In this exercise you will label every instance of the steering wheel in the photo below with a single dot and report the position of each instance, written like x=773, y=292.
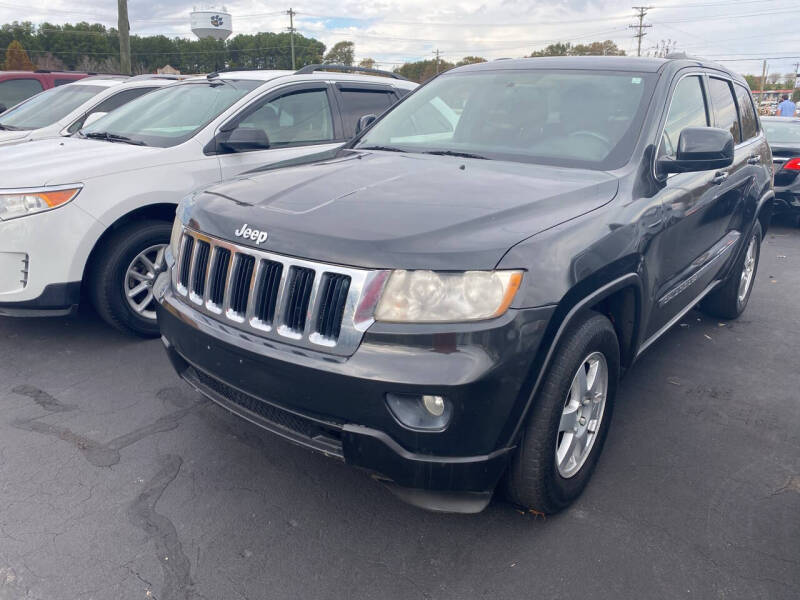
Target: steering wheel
x=592, y=134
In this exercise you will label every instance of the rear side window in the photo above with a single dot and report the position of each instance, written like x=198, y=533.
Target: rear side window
x=725, y=116
x=14, y=91
x=110, y=103
x=359, y=102
x=747, y=113
x=687, y=109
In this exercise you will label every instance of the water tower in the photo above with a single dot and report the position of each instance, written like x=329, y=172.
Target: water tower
x=216, y=24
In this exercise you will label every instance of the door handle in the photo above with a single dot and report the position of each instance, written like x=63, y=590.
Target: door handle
x=754, y=159
x=719, y=177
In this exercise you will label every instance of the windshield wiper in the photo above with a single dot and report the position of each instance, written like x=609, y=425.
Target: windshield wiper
x=454, y=153
x=9, y=128
x=112, y=137
x=384, y=148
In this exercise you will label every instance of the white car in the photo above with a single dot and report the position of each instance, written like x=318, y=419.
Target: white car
x=90, y=215
x=63, y=110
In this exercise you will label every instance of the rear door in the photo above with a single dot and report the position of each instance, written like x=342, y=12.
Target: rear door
x=298, y=119
x=358, y=99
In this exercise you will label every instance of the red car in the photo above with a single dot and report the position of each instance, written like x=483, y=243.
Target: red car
x=16, y=86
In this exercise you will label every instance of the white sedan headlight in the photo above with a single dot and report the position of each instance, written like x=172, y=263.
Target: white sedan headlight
x=20, y=203
x=429, y=297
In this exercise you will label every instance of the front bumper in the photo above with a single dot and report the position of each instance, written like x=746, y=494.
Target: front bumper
x=42, y=257
x=337, y=405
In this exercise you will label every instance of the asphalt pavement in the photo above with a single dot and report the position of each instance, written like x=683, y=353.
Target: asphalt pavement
x=117, y=481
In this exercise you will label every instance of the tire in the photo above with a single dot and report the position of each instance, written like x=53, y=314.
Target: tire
x=727, y=300
x=109, y=280
x=535, y=479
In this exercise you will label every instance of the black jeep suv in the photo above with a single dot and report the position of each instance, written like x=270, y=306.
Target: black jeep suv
x=449, y=300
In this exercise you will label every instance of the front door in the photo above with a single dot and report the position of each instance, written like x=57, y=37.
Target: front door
x=298, y=120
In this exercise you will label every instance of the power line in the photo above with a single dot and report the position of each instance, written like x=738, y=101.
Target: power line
x=641, y=13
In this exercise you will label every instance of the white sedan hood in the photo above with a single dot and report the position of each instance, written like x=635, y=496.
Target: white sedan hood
x=8, y=137
x=58, y=161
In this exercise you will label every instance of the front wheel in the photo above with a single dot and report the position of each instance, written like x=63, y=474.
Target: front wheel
x=564, y=435
x=730, y=299
x=121, y=281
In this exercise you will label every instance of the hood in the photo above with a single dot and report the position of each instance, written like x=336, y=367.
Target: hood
x=389, y=210
x=9, y=137
x=62, y=160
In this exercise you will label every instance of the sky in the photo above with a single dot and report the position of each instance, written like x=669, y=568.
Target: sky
x=740, y=33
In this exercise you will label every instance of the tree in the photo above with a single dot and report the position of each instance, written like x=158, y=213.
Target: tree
x=604, y=48
x=17, y=59
x=422, y=70
x=342, y=53
x=367, y=63
x=470, y=60
x=663, y=48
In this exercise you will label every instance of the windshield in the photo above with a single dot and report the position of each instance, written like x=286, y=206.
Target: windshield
x=588, y=119
x=787, y=132
x=171, y=115
x=48, y=107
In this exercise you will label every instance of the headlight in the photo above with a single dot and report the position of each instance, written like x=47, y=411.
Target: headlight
x=27, y=202
x=426, y=296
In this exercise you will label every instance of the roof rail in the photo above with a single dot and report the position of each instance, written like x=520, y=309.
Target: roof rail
x=157, y=76
x=347, y=68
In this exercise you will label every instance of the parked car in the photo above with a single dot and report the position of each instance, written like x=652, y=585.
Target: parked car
x=16, y=86
x=92, y=213
x=64, y=110
x=783, y=135
x=450, y=306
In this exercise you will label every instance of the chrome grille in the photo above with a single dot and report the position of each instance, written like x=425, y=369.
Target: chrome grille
x=305, y=303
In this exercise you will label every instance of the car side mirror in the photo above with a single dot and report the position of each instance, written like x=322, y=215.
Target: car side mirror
x=700, y=149
x=93, y=117
x=243, y=139
x=365, y=122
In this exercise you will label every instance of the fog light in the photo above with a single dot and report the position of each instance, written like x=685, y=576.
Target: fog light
x=434, y=404
x=420, y=412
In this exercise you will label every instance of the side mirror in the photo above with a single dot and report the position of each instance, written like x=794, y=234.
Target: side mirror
x=700, y=149
x=365, y=122
x=243, y=139
x=93, y=117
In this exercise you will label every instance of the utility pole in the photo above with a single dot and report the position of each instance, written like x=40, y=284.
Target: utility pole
x=124, y=37
x=763, y=77
x=436, y=52
x=641, y=12
x=291, y=30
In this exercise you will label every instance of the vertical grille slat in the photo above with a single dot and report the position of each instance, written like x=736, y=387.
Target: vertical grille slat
x=267, y=291
x=334, y=298
x=300, y=284
x=201, y=268
x=302, y=302
x=219, y=272
x=186, y=260
x=242, y=274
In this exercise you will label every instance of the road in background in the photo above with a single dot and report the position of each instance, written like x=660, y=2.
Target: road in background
x=118, y=481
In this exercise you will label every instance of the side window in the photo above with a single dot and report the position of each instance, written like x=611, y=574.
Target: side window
x=59, y=82
x=357, y=102
x=301, y=117
x=687, y=109
x=110, y=103
x=747, y=113
x=14, y=91
x=725, y=115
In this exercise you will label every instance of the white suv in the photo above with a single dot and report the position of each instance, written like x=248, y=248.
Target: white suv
x=63, y=110
x=91, y=214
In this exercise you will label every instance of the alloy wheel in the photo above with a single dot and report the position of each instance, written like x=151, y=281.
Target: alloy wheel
x=139, y=279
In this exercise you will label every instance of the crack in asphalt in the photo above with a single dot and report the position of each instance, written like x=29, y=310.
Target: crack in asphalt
x=177, y=584
x=161, y=530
